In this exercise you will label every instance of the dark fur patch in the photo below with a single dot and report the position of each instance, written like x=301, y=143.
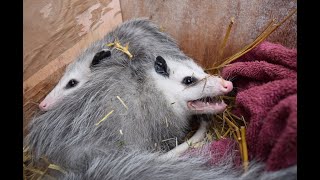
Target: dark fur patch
x=160, y=66
x=100, y=56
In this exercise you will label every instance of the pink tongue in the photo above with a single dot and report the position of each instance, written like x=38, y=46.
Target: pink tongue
x=200, y=104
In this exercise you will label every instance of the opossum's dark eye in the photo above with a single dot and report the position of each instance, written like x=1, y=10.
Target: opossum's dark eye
x=71, y=83
x=99, y=56
x=161, y=67
x=189, y=80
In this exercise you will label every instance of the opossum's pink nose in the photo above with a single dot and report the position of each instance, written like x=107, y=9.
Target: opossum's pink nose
x=227, y=86
x=43, y=106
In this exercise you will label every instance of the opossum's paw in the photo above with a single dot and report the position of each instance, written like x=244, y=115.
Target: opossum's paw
x=200, y=134
x=182, y=148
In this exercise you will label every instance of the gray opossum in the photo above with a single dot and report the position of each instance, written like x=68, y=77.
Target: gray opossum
x=143, y=101
x=77, y=73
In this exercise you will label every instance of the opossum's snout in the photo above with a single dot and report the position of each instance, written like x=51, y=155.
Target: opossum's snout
x=47, y=104
x=210, y=102
x=227, y=86
x=43, y=106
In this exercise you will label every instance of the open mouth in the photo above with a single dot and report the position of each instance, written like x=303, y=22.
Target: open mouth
x=207, y=105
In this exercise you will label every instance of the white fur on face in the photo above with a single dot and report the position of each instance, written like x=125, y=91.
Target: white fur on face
x=182, y=97
x=80, y=73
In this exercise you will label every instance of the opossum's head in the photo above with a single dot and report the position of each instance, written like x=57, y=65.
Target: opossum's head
x=187, y=88
x=75, y=76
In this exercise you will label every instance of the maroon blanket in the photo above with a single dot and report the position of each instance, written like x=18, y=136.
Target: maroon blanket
x=266, y=83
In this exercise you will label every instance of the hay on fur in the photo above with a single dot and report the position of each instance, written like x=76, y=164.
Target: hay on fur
x=39, y=170
x=225, y=125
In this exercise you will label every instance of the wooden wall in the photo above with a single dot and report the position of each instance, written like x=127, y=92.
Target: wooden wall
x=200, y=26
x=55, y=31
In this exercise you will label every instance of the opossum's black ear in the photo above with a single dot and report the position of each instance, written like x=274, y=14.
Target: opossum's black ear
x=161, y=67
x=100, y=56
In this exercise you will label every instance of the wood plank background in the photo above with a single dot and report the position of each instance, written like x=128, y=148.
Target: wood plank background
x=55, y=31
x=200, y=26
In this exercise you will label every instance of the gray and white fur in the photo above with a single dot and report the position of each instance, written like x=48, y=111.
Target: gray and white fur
x=90, y=163
x=78, y=72
x=161, y=88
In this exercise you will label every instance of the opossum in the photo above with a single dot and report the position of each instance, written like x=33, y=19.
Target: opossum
x=77, y=73
x=144, y=101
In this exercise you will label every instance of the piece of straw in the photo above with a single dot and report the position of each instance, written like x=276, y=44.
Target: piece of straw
x=122, y=102
x=244, y=148
x=217, y=133
x=166, y=121
x=225, y=134
x=104, y=118
x=226, y=37
x=55, y=167
x=233, y=125
x=229, y=122
x=244, y=122
x=119, y=47
x=268, y=30
x=168, y=139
